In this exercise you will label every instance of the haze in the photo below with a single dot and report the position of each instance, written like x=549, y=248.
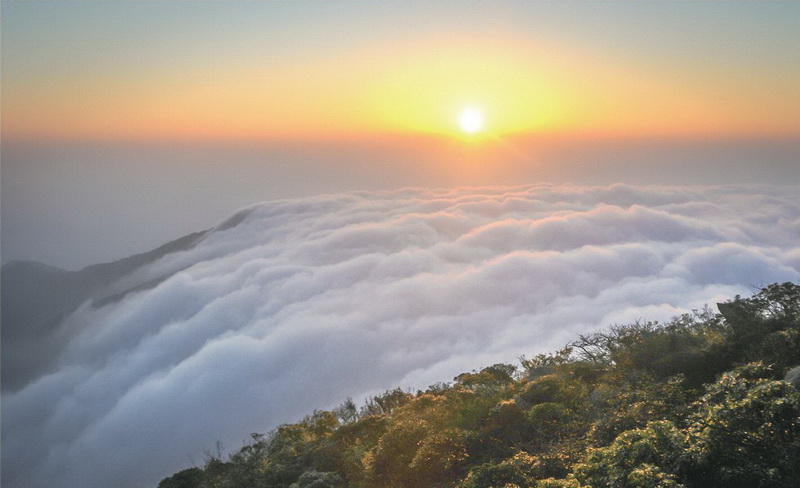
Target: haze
x=125, y=124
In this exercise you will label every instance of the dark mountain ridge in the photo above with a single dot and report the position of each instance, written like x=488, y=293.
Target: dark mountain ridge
x=36, y=297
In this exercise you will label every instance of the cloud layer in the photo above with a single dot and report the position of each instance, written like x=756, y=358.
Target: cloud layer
x=295, y=305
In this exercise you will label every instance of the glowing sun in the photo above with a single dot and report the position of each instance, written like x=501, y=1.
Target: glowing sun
x=471, y=121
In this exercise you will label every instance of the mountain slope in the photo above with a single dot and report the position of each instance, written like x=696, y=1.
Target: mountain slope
x=36, y=297
x=694, y=402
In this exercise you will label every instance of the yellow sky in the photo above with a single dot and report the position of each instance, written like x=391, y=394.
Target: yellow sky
x=404, y=85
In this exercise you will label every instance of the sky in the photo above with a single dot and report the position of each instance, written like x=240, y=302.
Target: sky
x=138, y=122
x=266, y=70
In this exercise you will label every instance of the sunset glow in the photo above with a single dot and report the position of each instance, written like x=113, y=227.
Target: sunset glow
x=408, y=80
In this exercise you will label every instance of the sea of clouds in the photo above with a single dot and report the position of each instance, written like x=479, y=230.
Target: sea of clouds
x=297, y=304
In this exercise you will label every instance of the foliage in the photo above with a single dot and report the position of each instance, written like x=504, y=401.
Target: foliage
x=638, y=458
x=746, y=431
x=315, y=479
x=188, y=478
x=515, y=470
x=697, y=401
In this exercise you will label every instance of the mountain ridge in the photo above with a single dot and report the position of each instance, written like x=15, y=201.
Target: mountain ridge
x=37, y=296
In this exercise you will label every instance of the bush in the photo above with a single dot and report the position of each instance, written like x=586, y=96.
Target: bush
x=316, y=479
x=516, y=470
x=641, y=458
x=746, y=431
x=188, y=478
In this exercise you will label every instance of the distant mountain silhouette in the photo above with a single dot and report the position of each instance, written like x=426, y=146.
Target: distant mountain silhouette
x=36, y=297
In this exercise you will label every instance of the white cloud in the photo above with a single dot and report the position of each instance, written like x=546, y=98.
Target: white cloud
x=295, y=305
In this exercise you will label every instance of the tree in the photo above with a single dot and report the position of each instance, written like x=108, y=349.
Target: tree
x=746, y=431
x=488, y=380
x=640, y=458
x=543, y=364
x=516, y=470
x=384, y=403
x=604, y=347
x=316, y=479
x=440, y=457
x=750, y=320
x=622, y=406
x=388, y=464
x=347, y=412
x=188, y=478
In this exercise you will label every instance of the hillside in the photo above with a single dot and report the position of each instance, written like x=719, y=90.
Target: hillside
x=699, y=401
x=36, y=298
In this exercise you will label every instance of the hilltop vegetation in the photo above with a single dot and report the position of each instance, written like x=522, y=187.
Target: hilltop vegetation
x=699, y=401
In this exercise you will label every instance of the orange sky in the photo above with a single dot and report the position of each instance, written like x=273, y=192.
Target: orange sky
x=214, y=84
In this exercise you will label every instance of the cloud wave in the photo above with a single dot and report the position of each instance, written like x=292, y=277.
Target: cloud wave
x=294, y=305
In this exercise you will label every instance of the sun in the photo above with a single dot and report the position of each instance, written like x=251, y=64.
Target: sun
x=471, y=121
